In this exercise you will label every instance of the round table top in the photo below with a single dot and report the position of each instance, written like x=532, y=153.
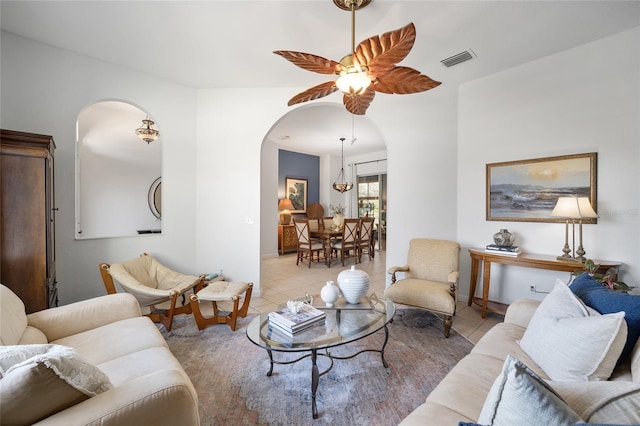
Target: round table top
x=344, y=323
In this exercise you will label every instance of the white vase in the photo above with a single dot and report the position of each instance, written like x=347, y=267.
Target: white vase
x=338, y=220
x=330, y=294
x=354, y=284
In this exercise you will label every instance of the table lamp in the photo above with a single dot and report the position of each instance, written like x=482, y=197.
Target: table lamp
x=573, y=208
x=284, y=206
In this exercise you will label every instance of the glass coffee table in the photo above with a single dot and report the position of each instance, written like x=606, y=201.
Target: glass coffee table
x=343, y=324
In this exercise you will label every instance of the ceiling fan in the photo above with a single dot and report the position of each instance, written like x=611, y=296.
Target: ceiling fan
x=369, y=68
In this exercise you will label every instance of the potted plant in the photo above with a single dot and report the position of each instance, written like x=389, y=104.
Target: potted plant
x=609, y=279
x=338, y=214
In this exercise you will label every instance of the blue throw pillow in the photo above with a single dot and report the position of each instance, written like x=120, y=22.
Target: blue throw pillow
x=607, y=301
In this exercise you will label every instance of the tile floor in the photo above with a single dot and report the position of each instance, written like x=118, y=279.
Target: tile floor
x=282, y=280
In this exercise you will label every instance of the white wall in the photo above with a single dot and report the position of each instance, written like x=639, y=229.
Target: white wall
x=420, y=132
x=269, y=215
x=583, y=100
x=43, y=90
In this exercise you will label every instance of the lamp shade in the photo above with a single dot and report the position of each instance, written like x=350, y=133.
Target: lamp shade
x=285, y=204
x=586, y=211
x=574, y=208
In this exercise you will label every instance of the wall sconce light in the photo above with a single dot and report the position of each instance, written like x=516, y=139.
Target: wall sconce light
x=284, y=206
x=573, y=208
x=146, y=132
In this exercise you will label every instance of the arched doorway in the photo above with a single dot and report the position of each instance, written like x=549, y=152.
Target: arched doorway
x=316, y=130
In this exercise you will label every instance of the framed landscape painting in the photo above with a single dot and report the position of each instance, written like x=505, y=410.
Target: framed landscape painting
x=527, y=190
x=296, y=191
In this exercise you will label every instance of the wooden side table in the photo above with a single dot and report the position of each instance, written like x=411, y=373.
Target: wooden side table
x=287, y=238
x=525, y=260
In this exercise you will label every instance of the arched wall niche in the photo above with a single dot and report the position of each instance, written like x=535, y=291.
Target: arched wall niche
x=118, y=175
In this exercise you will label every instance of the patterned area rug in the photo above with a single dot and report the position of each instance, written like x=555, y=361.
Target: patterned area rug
x=229, y=374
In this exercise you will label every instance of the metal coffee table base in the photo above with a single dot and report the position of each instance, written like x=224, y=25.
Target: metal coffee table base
x=315, y=374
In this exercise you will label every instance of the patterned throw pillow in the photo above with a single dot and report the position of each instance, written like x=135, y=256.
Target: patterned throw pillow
x=38, y=381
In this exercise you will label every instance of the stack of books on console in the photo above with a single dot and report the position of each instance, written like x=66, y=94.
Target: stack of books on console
x=505, y=250
x=292, y=323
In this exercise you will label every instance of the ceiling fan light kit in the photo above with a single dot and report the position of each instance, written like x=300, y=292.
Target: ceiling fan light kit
x=368, y=68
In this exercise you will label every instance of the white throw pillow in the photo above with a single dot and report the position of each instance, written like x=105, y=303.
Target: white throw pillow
x=570, y=342
x=519, y=397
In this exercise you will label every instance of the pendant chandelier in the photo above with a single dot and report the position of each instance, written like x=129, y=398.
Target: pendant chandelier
x=341, y=185
x=146, y=132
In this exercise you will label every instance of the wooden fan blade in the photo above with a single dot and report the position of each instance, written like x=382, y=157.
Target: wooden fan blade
x=310, y=62
x=358, y=104
x=404, y=80
x=315, y=92
x=381, y=53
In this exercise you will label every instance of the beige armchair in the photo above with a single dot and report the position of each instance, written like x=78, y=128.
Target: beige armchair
x=152, y=284
x=430, y=278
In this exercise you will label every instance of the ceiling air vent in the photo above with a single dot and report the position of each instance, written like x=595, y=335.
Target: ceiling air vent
x=456, y=59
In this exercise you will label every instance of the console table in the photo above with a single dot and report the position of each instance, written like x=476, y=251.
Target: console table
x=525, y=260
x=287, y=238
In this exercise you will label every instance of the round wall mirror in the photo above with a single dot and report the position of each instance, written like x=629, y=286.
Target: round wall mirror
x=155, y=198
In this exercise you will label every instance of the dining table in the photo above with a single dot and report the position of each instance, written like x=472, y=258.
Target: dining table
x=327, y=234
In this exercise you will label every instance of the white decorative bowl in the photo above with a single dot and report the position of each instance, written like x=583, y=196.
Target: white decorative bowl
x=354, y=284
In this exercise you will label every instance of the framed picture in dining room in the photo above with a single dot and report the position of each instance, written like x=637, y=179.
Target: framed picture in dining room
x=528, y=190
x=296, y=191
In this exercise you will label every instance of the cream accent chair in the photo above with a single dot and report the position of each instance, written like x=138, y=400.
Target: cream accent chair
x=152, y=284
x=430, y=278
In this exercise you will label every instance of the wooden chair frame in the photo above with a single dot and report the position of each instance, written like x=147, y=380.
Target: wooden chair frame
x=365, y=238
x=349, y=240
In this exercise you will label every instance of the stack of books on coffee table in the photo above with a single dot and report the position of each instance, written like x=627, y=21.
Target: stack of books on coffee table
x=292, y=323
x=505, y=250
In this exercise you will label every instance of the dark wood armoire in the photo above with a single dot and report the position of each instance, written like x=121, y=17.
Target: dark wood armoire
x=27, y=218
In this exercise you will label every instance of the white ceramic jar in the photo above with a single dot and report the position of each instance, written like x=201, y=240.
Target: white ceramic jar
x=354, y=284
x=330, y=294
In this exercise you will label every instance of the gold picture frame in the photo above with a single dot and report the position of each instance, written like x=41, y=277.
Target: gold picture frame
x=527, y=190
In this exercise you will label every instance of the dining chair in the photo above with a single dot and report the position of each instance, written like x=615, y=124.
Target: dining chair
x=314, y=224
x=349, y=241
x=306, y=244
x=365, y=238
x=430, y=278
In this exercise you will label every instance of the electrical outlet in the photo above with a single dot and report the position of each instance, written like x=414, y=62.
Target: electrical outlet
x=532, y=289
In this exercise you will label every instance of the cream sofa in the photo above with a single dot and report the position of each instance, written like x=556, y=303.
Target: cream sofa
x=147, y=384
x=460, y=397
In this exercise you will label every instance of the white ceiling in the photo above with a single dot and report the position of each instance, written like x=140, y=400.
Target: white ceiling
x=213, y=44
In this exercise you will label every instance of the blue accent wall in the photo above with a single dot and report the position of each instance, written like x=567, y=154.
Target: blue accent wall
x=300, y=166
